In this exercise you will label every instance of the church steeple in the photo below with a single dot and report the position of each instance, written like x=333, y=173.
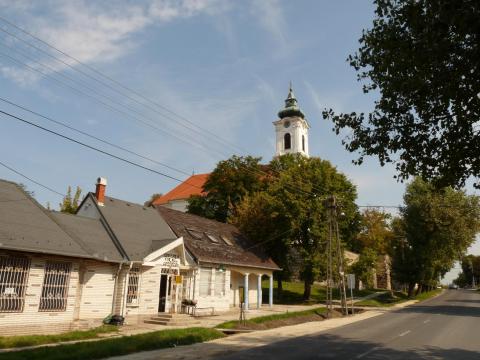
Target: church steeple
x=292, y=128
x=291, y=106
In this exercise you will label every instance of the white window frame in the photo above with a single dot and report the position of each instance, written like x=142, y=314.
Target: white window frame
x=133, y=286
x=56, y=281
x=14, y=273
x=205, y=282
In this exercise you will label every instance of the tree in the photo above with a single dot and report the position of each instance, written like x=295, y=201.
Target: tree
x=153, y=197
x=290, y=212
x=374, y=239
x=436, y=228
x=226, y=186
x=69, y=204
x=374, y=233
x=470, y=274
x=421, y=57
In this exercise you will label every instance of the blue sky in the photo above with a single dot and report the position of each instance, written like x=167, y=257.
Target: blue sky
x=223, y=65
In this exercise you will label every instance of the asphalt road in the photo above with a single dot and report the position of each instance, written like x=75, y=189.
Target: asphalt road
x=445, y=327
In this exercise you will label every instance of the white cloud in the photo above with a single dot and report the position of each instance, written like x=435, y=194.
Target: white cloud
x=93, y=32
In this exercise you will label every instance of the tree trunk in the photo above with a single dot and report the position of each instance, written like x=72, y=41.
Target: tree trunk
x=279, y=287
x=307, y=290
x=411, y=287
x=419, y=289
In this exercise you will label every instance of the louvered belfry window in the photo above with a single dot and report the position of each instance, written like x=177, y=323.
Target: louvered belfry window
x=13, y=283
x=133, y=281
x=55, y=286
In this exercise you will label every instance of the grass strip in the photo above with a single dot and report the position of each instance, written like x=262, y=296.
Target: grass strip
x=384, y=300
x=292, y=293
x=427, y=295
x=117, y=346
x=264, y=319
x=33, y=340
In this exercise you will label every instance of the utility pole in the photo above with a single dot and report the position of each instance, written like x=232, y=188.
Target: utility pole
x=334, y=253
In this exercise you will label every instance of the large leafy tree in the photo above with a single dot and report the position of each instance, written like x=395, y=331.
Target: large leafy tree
x=290, y=212
x=435, y=229
x=227, y=185
x=421, y=57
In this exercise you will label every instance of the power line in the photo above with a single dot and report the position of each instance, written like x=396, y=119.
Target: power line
x=31, y=180
x=113, y=108
x=109, y=86
x=92, y=136
x=94, y=148
x=215, y=136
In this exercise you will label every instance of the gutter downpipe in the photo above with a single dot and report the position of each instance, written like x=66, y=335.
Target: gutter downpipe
x=115, y=287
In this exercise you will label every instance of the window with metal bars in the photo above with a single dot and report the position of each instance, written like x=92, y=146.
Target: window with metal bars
x=133, y=285
x=13, y=283
x=55, y=286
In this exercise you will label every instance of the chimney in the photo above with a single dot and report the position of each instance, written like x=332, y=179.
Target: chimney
x=100, y=190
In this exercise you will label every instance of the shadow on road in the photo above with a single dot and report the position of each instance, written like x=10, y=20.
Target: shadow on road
x=336, y=347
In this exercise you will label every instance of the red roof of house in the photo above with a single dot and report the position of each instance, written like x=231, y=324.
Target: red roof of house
x=192, y=186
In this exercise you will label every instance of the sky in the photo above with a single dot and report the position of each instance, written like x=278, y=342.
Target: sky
x=208, y=76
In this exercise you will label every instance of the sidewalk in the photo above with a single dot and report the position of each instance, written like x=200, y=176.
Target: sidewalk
x=234, y=343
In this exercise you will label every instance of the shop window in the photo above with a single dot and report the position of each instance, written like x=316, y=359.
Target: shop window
x=220, y=277
x=13, y=283
x=205, y=281
x=133, y=285
x=55, y=286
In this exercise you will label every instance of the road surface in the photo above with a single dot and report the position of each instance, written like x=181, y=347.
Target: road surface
x=445, y=327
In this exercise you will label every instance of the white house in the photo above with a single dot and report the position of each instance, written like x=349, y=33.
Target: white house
x=60, y=272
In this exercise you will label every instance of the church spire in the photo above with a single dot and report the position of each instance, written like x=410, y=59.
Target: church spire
x=291, y=106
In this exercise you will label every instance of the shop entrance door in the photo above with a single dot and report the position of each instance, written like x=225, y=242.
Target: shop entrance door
x=163, y=293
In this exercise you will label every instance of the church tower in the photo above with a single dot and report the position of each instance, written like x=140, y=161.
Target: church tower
x=291, y=129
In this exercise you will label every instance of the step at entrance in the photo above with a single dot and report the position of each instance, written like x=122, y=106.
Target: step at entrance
x=172, y=320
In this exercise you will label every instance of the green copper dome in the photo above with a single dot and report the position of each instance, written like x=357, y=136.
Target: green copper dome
x=291, y=107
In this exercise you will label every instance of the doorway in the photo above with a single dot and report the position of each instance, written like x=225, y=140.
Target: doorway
x=163, y=293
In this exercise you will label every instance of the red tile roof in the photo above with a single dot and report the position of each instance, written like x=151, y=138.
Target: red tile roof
x=192, y=186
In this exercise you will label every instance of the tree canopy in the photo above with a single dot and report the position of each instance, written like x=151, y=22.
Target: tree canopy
x=421, y=57
x=289, y=215
x=435, y=229
x=229, y=182
x=69, y=203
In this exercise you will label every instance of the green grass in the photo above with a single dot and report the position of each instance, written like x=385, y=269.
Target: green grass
x=292, y=293
x=32, y=340
x=265, y=319
x=117, y=346
x=384, y=300
x=427, y=295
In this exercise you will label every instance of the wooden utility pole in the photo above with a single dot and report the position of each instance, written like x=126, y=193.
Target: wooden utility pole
x=335, y=254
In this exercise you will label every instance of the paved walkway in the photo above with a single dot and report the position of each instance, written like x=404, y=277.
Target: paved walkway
x=212, y=321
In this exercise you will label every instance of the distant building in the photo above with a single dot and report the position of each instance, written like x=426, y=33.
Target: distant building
x=177, y=198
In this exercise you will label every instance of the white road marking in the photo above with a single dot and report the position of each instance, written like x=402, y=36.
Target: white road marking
x=405, y=333
x=368, y=352
x=426, y=321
